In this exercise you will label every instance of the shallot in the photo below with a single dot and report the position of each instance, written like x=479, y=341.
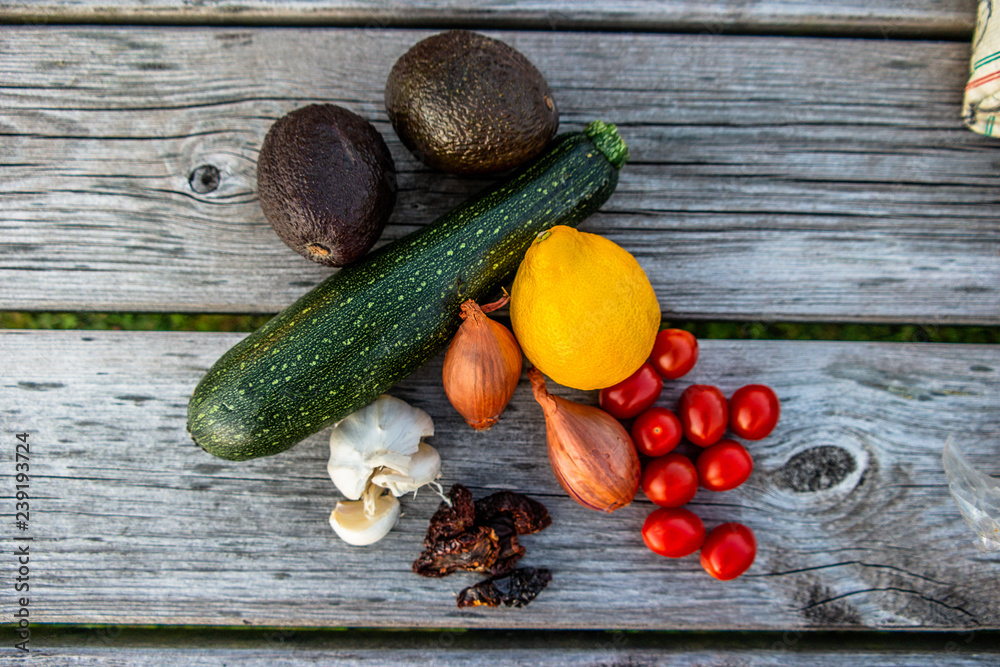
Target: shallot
x=592, y=455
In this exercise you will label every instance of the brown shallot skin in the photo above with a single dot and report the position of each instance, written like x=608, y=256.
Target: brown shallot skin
x=482, y=366
x=592, y=455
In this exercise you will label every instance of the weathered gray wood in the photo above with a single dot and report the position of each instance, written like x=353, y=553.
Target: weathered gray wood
x=133, y=524
x=514, y=656
x=771, y=178
x=856, y=17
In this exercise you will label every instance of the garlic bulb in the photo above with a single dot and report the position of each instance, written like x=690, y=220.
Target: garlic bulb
x=377, y=454
x=386, y=433
x=366, y=521
x=592, y=455
x=482, y=366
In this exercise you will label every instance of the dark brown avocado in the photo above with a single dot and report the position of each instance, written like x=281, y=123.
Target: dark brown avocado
x=468, y=104
x=326, y=182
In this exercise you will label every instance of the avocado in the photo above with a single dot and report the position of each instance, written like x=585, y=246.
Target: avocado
x=468, y=104
x=326, y=182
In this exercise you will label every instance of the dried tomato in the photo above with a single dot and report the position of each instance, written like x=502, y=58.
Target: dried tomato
x=514, y=589
x=479, y=536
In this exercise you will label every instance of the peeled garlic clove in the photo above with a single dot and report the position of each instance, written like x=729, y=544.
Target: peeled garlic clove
x=424, y=468
x=592, y=455
x=360, y=525
x=482, y=366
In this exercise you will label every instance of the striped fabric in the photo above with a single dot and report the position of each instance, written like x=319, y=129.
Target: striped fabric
x=982, y=94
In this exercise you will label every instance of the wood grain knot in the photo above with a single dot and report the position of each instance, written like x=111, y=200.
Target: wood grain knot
x=816, y=469
x=204, y=179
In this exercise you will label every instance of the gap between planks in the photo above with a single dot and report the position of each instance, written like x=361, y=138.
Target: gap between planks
x=285, y=647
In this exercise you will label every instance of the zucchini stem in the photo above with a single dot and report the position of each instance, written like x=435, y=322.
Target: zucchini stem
x=605, y=136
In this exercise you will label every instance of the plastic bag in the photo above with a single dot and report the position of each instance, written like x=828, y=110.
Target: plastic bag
x=977, y=496
x=981, y=105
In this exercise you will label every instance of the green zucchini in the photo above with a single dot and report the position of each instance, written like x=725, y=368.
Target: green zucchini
x=374, y=322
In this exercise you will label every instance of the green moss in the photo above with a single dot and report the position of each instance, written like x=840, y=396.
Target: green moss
x=132, y=321
x=702, y=329
x=901, y=333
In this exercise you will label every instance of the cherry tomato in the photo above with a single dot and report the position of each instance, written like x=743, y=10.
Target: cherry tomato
x=728, y=551
x=670, y=481
x=723, y=466
x=634, y=394
x=675, y=353
x=704, y=414
x=673, y=532
x=656, y=431
x=754, y=411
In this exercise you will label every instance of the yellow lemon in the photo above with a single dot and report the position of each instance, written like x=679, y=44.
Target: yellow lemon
x=583, y=309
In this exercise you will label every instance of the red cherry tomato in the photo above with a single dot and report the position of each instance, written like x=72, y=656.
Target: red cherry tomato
x=670, y=481
x=728, y=551
x=704, y=414
x=634, y=394
x=675, y=353
x=754, y=411
x=673, y=532
x=656, y=431
x=723, y=466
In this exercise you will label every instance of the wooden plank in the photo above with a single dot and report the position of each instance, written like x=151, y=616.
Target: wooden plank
x=510, y=654
x=133, y=524
x=821, y=180
x=564, y=658
x=855, y=17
